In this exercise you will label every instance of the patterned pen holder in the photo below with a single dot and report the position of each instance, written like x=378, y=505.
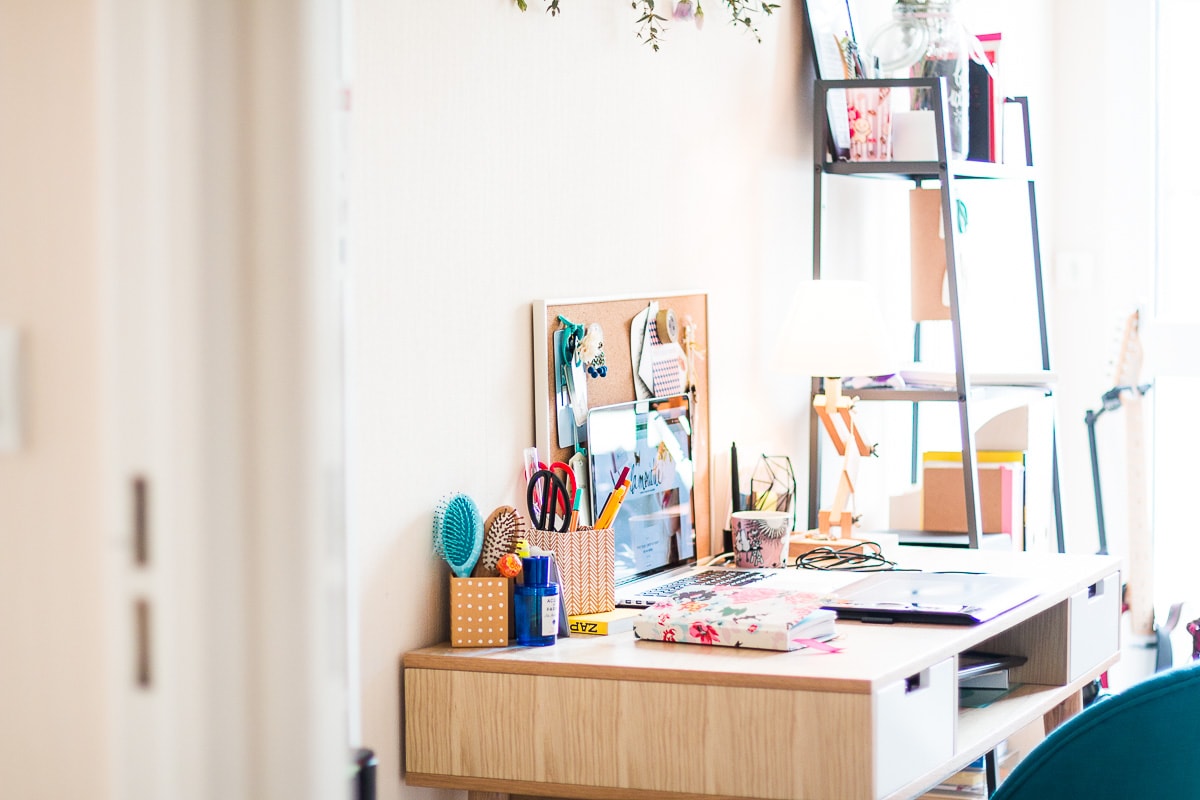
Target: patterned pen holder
x=585, y=562
x=481, y=612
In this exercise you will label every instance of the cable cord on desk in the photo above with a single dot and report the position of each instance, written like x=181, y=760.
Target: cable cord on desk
x=852, y=558
x=829, y=559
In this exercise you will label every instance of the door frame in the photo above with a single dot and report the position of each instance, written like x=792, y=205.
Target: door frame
x=223, y=336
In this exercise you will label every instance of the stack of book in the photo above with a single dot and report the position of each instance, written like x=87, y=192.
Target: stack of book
x=984, y=677
x=985, y=105
x=604, y=623
x=970, y=781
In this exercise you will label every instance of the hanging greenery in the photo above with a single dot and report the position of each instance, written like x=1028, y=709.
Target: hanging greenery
x=651, y=24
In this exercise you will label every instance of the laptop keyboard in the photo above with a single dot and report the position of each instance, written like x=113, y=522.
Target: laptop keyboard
x=712, y=577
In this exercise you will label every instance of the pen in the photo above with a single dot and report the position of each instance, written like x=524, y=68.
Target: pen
x=733, y=477
x=624, y=475
x=608, y=502
x=610, y=510
x=574, y=523
x=530, y=458
x=620, y=500
x=613, y=505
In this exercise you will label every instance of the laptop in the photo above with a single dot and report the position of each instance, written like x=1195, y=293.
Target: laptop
x=938, y=597
x=654, y=532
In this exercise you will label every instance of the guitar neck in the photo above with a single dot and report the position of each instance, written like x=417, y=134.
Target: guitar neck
x=1140, y=583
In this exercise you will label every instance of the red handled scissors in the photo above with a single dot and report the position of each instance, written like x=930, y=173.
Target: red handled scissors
x=550, y=495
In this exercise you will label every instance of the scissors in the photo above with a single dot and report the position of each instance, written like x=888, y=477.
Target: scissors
x=562, y=503
x=547, y=493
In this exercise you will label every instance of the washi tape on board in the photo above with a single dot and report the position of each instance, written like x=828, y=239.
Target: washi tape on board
x=667, y=326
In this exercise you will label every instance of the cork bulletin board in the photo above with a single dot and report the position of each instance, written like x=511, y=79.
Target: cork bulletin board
x=615, y=316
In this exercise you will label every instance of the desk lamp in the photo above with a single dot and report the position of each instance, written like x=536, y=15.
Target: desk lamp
x=834, y=330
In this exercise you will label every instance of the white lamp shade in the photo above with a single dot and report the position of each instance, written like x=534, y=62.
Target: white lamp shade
x=835, y=330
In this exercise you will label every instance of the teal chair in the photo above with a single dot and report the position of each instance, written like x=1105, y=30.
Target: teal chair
x=1143, y=742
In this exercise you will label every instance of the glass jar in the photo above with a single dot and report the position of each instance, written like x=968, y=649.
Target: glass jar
x=927, y=38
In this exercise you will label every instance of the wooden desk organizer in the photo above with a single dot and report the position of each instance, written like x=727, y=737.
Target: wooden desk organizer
x=481, y=612
x=585, y=561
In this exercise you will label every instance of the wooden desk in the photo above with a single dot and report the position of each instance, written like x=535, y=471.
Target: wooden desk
x=616, y=718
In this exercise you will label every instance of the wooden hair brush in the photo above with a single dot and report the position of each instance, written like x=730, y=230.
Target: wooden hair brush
x=500, y=533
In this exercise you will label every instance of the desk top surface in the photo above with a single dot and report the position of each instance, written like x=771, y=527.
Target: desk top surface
x=871, y=655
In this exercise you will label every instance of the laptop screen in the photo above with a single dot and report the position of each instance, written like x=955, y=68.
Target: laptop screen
x=656, y=526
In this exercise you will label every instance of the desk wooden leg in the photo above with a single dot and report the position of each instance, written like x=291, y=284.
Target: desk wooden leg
x=1062, y=712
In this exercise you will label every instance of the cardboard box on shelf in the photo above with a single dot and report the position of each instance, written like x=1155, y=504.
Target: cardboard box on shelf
x=1001, y=493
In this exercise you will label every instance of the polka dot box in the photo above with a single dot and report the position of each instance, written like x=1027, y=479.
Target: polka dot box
x=480, y=610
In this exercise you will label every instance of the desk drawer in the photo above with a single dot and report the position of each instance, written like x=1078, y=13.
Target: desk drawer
x=1094, y=615
x=914, y=730
x=1068, y=640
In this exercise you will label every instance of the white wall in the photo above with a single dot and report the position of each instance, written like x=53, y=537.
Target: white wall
x=500, y=157
x=1106, y=216
x=53, y=628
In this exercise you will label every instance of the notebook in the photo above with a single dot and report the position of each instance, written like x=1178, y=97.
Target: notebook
x=939, y=597
x=654, y=533
x=754, y=616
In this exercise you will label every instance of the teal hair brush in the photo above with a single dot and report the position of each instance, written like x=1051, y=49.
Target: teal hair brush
x=458, y=532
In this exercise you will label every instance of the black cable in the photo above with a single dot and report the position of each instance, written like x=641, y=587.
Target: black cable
x=853, y=558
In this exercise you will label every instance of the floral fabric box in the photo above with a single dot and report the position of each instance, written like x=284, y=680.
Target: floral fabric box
x=740, y=616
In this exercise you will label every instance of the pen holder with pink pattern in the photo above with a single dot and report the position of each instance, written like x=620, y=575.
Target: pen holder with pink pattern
x=585, y=563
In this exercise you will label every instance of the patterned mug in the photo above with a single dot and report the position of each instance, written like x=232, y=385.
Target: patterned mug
x=760, y=538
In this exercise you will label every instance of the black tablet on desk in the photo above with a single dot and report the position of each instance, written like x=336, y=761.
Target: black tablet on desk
x=939, y=597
